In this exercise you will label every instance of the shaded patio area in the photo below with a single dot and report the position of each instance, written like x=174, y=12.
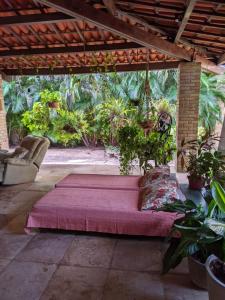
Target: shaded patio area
x=79, y=266
x=46, y=37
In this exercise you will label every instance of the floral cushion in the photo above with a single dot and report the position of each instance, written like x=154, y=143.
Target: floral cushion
x=154, y=174
x=158, y=193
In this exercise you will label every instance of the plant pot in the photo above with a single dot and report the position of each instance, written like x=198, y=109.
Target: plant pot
x=69, y=129
x=53, y=104
x=196, y=182
x=216, y=287
x=148, y=124
x=197, y=272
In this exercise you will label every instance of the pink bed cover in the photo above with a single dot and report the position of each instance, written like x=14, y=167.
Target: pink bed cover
x=110, y=182
x=98, y=210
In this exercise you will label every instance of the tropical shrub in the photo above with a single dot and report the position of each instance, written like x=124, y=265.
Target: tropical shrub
x=47, y=97
x=16, y=129
x=200, y=230
x=37, y=120
x=69, y=128
x=110, y=116
x=212, y=94
x=200, y=158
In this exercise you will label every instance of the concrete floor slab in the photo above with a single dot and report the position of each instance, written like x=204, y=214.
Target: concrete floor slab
x=138, y=255
x=179, y=287
x=76, y=283
x=46, y=247
x=12, y=244
x=24, y=280
x=129, y=285
x=90, y=252
x=3, y=220
x=3, y=263
x=16, y=225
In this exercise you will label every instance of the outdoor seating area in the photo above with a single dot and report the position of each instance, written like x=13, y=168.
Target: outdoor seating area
x=98, y=203
x=112, y=150
x=74, y=263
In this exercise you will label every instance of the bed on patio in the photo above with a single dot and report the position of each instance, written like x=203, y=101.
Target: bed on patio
x=98, y=203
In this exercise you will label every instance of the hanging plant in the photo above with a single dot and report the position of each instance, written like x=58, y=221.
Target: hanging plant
x=52, y=99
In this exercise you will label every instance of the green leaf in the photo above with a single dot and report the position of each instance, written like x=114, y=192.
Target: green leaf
x=218, y=194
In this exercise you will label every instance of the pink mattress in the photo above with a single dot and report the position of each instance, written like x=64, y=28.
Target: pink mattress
x=98, y=210
x=99, y=181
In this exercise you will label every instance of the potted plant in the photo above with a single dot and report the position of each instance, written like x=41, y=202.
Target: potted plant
x=197, y=234
x=201, y=161
x=215, y=278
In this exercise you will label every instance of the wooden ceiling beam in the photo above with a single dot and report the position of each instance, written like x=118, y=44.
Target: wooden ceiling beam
x=209, y=65
x=92, y=69
x=35, y=19
x=185, y=19
x=221, y=60
x=79, y=9
x=70, y=49
x=110, y=5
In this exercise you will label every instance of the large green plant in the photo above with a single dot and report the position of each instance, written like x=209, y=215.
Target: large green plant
x=200, y=159
x=69, y=128
x=136, y=145
x=110, y=116
x=37, y=120
x=47, y=96
x=201, y=230
x=212, y=94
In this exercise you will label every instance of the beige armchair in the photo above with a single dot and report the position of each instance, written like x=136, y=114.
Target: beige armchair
x=23, y=164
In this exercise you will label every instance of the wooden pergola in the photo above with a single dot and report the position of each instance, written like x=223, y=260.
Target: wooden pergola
x=78, y=36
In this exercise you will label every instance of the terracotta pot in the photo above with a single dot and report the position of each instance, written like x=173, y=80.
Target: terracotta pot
x=69, y=129
x=148, y=124
x=197, y=272
x=196, y=182
x=216, y=287
x=53, y=104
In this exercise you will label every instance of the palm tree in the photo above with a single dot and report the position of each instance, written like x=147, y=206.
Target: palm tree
x=211, y=95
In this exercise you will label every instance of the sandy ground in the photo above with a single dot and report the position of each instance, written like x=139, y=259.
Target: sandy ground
x=80, y=155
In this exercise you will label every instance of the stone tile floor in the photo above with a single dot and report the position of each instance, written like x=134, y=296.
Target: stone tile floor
x=72, y=266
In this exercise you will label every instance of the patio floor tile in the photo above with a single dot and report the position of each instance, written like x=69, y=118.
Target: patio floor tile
x=3, y=263
x=76, y=283
x=12, y=244
x=16, y=225
x=90, y=252
x=124, y=285
x=46, y=247
x=3, y=220
x=22, y=202
x=24, y=280
x=137, y=255
x=179, y=287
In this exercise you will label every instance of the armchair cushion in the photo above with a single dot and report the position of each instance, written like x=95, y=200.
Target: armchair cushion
x=4, y=155
x=17, y=161
x=30, y=143
x=40, y=151
x=19, y=152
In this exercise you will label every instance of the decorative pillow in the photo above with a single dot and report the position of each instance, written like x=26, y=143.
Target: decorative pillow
x=19, y=152
x=158, y=193
x=154, y=174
